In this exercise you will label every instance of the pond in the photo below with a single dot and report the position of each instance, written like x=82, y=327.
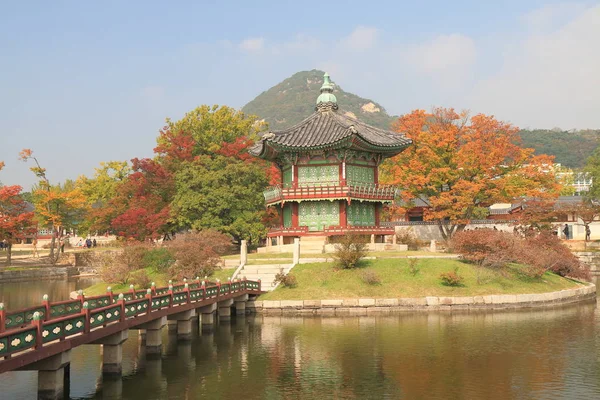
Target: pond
x=530, y=354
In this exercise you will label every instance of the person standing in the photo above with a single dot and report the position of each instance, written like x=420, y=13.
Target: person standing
x=588, y=233
x=35, y=250
x=566, y=231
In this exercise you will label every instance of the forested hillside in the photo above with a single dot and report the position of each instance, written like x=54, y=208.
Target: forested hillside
x=570, y=148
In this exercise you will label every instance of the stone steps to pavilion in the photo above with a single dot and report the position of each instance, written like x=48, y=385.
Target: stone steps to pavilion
x=266, y=273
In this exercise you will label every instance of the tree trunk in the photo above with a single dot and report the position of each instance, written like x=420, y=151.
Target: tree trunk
x=447, y=230
x=9, y=254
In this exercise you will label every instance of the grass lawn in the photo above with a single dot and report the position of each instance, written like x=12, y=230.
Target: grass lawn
x=160, y=279
x=321, y=281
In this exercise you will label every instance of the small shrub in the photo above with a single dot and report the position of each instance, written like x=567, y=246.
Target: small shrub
x=451, y=278
x=349, y=251
x=140, y=278
x=288, y=280
x=159, y=259
x=413, y=266
x=371, y=278
x=198, y=253
x=117, y=266
x=408, y=237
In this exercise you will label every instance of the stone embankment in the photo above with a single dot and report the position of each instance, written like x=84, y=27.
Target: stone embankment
x=429, y=303
x=43, y=273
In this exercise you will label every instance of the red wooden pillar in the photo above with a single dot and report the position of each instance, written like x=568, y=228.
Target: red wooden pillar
x=342, y=177
x=343, y=214
x=377, y=208
x=295, y=176
x=295, y=215
x=376, y=174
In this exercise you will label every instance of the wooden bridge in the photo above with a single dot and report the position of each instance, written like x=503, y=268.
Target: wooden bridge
x=40, y=338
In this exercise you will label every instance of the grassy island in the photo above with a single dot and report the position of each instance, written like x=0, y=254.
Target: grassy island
x=322, y=281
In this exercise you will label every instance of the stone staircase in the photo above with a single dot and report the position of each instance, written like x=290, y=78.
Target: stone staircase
x=312, y=244
x=265, y=272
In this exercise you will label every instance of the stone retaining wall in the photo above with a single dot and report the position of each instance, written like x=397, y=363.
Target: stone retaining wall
x=365, y=306
x=43, y=273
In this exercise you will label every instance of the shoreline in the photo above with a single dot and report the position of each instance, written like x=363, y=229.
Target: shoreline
x=45, y=273
x=428, y=303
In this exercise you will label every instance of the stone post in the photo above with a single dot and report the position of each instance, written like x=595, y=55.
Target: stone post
x=51, y=375
x=244, y=252
x=208, y=317
x=154, y=335
x=432, y=246
x=112, y=353
x=296, y=259
x=225, y=310
x=183, y=324
x=373, y=239
x=394, y=239
x=240, y=305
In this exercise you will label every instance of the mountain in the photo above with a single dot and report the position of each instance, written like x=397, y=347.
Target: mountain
x=293, y=100
x=569, y=148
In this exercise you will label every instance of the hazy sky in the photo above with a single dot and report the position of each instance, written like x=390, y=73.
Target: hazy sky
x=83, y=82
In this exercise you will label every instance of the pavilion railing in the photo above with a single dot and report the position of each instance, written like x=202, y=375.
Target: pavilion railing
x=308, y=190
x=32, y=327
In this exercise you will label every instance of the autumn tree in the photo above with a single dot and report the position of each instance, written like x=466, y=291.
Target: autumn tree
x=218, y=183
x=99, y=191
x=223, y=194
x=16, y=221
x=57, y=207
x=459, y=166
x=141, y=206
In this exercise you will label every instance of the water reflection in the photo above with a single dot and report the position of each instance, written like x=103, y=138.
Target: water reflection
x=536, y=354
x=26, y=294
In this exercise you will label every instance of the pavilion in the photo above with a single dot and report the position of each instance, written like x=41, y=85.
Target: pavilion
x=329, y=165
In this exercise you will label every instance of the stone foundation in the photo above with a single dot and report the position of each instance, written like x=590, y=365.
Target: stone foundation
x=429, y=303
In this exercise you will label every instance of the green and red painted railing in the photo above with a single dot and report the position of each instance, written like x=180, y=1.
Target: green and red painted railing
x=32, y=327
x=328, y=190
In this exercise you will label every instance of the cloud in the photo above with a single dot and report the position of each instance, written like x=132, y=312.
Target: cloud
x=252, y=45
x=362, y=38
x=442, y=53
x=549, y=79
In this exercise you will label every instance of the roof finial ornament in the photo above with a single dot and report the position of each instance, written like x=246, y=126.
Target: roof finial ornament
x=326, y=100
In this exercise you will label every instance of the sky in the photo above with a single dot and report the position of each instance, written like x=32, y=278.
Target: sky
x=86, y=82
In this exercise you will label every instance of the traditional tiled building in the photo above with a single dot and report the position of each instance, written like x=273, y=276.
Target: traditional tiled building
x=329, y=165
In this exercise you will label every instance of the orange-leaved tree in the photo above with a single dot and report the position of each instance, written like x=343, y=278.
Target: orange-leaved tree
x=459, y=165
x=16, y=221
x=58, y=207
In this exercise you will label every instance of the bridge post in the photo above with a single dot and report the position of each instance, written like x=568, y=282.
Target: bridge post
x=208, y=316
x=225, y=310
x=153, y=335
x=51, y=375
x=112, y=353
x=240, y=305
x=184, y=324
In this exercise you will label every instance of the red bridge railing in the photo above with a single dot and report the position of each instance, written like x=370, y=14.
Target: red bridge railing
x=32, y=327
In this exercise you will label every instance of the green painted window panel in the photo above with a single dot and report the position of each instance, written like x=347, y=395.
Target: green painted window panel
x=361, y=214
x=325, y=175
x=287, y=178
x=357, y=175
x=287, y=215
x=319, y=214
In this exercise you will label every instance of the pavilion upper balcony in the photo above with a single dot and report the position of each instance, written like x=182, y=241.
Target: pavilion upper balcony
x=330, y=190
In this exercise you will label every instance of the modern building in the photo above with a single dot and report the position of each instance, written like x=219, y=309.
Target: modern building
x=330, y=180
